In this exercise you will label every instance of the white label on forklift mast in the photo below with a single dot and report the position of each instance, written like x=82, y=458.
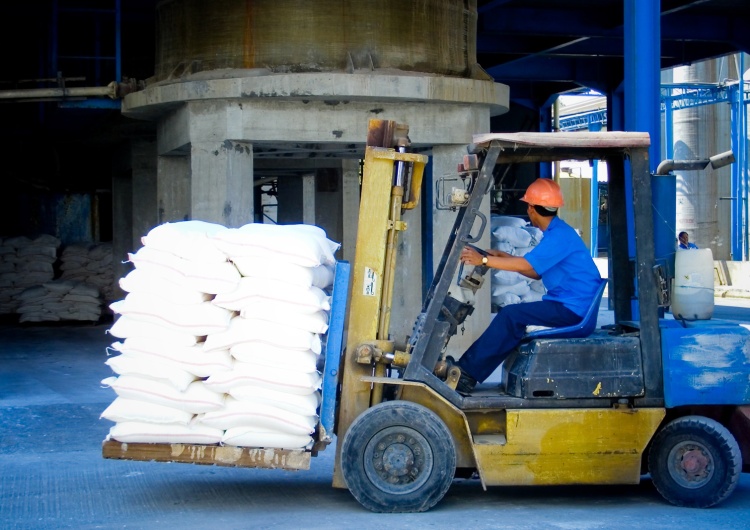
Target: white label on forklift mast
x=371, y=279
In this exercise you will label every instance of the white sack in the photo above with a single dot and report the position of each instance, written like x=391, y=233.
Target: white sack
x=306, y=405
x=121, y=410
x=506, y=220
x=138, y=365
x=312, y=322
x=140, y=281
x=506, y=299
x=260, y=267
x=304, y=245
x=258, y=416
x=518, y=237
x=205, y=277
x=532, y=296
x=190, y=240
x=140, y=432
x=519, y=289
x=196, y=399
x=500, y=277
x=538, y=285
x=192, y=359
x=275, y=294
x=243, y=330
x=285, y=359
x=504, y=246
x=535, y=233
x=247, y=437
x=195, y=319
x=126, y=327
x=266, y=377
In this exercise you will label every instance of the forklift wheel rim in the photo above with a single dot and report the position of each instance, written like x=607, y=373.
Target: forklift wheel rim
x=691, y=464
x=398, y=460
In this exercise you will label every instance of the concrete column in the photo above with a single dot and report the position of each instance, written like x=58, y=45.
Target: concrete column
x=222, y=182
x=145, y=214
x=444, y=161
x=349, y=207
x=122, y=219
x=173, y=189
x=328, y=203
x=308, y=199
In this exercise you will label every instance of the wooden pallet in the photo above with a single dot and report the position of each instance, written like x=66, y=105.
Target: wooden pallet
x=289, y=459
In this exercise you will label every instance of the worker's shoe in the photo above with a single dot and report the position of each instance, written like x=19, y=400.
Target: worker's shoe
x=466, y=384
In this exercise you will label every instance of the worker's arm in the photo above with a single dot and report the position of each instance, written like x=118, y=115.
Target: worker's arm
x=500, y=260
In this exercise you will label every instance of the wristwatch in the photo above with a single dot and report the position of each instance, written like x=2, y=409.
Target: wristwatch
x=484, y=260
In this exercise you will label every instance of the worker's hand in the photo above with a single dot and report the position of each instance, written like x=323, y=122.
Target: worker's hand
x=471, y=256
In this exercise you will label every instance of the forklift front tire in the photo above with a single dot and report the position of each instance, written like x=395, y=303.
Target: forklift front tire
x=398, y=457
x=695, y=462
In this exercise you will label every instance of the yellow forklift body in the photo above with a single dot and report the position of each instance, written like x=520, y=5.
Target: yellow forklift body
x=542, y=446
x=567, y=446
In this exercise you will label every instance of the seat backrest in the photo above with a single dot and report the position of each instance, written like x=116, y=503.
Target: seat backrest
x=583, y=329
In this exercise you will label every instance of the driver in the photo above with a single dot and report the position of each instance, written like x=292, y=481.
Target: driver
x=561, y=260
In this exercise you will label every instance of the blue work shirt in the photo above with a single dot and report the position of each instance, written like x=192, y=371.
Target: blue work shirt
x=683, y=246
x=566, y=267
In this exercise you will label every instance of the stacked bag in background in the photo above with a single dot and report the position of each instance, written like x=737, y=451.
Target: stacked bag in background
x=60, y=300
x=24, y=263
x=517, y=237
x=221, y=331
x=91, y=264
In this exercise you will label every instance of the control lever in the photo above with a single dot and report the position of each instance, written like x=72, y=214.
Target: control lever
x=475, y=279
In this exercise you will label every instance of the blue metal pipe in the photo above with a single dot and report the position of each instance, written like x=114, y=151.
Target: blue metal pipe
x=642, y=33
x=735, y=226
x=743, y=162
x=642, y=65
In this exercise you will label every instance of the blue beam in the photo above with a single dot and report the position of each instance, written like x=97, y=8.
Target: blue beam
x=739, y=182
x=642, y=63
x=94, y=103
x=642, y=52
x=673, y=97
x=584, y=120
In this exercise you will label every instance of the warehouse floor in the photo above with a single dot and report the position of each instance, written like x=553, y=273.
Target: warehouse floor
x=52, y=474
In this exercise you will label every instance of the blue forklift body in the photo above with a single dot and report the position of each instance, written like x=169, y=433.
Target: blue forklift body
x=706, y=362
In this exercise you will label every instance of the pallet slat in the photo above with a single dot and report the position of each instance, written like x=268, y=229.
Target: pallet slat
x=288, y=459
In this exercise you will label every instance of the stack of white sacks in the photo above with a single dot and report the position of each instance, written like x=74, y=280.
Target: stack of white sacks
x=221, y=332
x=517, y=237
x=24, y=263
x=60, y=300
x=90, y=264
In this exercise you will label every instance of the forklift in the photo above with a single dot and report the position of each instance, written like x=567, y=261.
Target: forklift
x=576, y=405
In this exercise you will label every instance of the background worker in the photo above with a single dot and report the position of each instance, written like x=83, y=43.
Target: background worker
x=684, y=242
x=561, y=260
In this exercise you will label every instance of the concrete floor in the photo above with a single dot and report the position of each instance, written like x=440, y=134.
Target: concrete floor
x=52, y=474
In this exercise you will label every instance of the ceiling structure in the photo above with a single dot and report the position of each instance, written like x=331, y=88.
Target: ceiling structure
x=539, y=48
x=545, y=47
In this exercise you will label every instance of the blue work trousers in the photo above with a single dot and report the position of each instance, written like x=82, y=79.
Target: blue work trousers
x=505, y=332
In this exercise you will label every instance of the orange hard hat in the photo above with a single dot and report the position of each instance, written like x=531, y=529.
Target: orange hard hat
x=544, y=192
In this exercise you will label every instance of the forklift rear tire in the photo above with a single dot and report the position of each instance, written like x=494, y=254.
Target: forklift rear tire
x=695, y=462
x=398, y=457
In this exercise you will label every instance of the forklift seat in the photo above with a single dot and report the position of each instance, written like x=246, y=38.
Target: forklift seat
x=583, y=329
